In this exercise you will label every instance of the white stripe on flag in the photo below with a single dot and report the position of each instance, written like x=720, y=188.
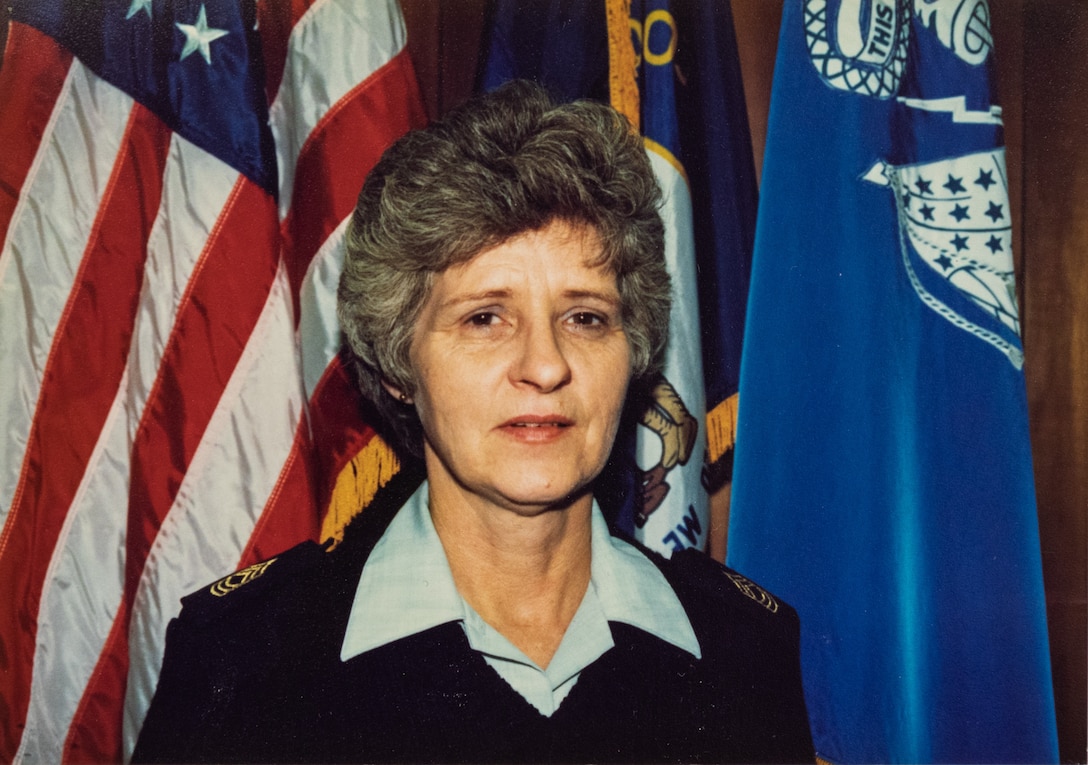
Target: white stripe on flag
x=216, y=510
x=362, y=37
x=319, y=331
x=83, y=590
x=669, y=527
x=45, y=246
x=196, y=186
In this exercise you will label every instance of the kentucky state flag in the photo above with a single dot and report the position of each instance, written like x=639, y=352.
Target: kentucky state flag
x=883, y=476
x=672, y=68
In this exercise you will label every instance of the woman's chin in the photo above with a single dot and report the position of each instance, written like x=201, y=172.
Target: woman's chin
x=532, y=498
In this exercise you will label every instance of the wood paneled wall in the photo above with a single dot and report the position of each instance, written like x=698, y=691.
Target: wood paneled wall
x=1053, y=190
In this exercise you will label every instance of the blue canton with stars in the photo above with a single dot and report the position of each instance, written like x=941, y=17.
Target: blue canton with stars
x=195, y=63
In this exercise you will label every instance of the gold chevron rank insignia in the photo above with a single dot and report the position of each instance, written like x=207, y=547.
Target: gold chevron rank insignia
x=231, y=583
x=753, y=591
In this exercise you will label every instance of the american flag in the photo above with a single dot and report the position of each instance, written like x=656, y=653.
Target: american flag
x=175, y=178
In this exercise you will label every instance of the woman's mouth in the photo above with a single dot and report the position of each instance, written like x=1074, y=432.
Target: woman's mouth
x=536, y=428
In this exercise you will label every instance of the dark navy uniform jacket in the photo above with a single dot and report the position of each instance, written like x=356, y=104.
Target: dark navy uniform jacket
x=253, y=673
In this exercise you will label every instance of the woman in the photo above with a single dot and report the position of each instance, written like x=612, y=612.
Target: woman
x=505, y=295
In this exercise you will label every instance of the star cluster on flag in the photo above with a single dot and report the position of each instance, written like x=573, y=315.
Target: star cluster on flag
x=955, y=220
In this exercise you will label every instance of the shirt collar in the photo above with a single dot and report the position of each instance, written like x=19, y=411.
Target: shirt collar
x=633, y=590
x=406, y=586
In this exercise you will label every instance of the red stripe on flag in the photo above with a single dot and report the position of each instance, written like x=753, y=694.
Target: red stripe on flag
x=86, y=363
x=339, y=426
x=31, y=80
x=226, y=296
x=289, y=515
x=341, y=150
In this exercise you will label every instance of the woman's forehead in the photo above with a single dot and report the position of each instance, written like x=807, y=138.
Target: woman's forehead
x=572, y=251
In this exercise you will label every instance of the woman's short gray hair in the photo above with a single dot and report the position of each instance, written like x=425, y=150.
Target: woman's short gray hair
x=503, y=164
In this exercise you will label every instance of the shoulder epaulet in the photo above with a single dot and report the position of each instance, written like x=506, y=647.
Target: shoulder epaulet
x=232, y=582
x=259, y=578
x=751, y=589
x=712, y=576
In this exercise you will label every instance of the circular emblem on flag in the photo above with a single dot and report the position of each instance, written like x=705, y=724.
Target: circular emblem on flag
x=859, y=45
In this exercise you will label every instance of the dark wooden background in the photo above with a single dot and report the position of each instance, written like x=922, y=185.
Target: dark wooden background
x=1042, y=54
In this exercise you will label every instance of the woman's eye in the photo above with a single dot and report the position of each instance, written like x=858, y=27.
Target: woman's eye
x=482, y=319
x=587, y=319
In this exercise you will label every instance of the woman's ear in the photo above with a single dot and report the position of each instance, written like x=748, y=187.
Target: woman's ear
x=396, y=392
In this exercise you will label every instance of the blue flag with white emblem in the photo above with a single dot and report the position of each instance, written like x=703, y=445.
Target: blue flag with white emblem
x=883, y=477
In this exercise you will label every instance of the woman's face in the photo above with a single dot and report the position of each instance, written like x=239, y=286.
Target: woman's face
x=522, y=368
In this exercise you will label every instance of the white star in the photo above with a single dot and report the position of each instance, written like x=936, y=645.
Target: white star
x=137, y=6
x=199, y=36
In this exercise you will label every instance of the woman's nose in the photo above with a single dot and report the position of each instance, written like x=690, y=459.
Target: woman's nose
x=541, y=362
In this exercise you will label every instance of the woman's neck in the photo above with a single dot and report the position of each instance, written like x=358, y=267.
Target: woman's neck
x=524, y=571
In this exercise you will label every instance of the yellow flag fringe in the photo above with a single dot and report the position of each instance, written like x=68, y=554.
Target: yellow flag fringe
x=622, y=82
x=721, y=428
x=358, y=483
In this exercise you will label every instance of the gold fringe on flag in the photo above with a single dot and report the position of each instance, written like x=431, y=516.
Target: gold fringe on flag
x=721, y=429
x=622, y=72
x=367, y=472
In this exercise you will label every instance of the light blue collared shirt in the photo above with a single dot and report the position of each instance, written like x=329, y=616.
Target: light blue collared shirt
x=406, y=587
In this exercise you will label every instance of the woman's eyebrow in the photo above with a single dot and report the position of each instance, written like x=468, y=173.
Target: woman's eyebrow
x=610, y=297
x=472, y=297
